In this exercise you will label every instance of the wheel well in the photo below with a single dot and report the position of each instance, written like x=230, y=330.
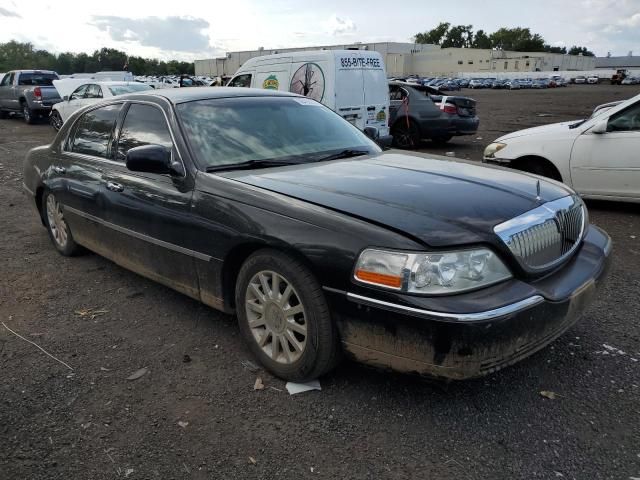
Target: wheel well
x=23, y=100
x=39, y=195
x=236, y=258
x=537, y=165
x=403, y=118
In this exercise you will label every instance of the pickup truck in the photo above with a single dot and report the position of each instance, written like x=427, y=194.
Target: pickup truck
x=30, y=92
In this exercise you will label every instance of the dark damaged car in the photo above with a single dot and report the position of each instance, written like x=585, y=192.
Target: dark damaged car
x=270, y=206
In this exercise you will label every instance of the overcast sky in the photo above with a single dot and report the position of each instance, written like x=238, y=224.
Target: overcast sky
x=187, y=30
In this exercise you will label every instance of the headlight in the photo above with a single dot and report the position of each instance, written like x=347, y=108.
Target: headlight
x=491, y=149
x=430, y=273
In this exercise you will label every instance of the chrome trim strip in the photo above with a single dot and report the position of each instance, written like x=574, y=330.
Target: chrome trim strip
x=456, y=317
x=141, y=236
x=510, y=230
x=24, y=186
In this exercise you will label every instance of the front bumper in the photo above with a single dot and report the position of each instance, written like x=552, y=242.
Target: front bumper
x=463, y=345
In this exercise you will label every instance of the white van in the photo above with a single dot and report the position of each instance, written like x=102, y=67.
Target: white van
x=352, y=83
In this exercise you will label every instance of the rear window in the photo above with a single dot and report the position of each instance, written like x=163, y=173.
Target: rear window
x=122, y=89
x=37, y=79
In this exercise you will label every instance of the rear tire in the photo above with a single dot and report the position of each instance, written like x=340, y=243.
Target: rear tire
x=57, y=227
x=406, y=136
x=298, y=346
x=28, y=114
x=4, y=114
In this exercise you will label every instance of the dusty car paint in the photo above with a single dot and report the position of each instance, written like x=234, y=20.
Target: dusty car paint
x=192, y=231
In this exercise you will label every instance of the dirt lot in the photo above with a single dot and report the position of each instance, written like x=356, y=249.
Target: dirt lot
x=196, y=415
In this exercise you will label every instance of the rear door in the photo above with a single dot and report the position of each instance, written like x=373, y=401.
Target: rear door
x=376, y=96
x=86, y=152
x=149, y=214
x=349, y=87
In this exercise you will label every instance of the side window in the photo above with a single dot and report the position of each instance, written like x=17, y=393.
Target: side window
x=95, y=131
x=143, y=125
x=5, y=80
x=240, y=81
x=397, y=93
x=93, y=91
x=625, y=121
x=78, y=93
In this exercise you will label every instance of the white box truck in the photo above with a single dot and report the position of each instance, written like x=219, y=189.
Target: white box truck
x=352, y=83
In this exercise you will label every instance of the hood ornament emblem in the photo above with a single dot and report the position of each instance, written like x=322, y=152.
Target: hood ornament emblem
x=538, y=197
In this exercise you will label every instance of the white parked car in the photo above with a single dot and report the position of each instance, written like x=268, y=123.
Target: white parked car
x=593, y=79
x=598, y=157
x=77, y=93
x=580, y=79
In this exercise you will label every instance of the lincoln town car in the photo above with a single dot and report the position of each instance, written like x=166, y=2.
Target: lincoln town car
x=269, y=206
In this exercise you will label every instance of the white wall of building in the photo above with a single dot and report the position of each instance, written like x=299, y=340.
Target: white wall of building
x=427, y=60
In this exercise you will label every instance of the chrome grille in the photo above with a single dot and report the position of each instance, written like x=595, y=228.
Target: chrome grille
x=546, y=235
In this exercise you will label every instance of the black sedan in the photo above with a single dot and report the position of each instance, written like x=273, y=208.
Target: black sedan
x=270, y=206
x=421, y=112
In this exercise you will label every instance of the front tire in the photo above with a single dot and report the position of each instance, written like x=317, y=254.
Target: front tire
x=284, y=318
x=55, y=120
x=59, y=231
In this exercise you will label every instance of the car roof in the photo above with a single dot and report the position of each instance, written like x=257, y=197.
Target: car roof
x=190, y=94
x=32, y=71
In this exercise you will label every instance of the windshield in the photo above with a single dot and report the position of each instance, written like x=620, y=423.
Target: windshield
x=37, y=79
x=122, y=89
x=229, y=131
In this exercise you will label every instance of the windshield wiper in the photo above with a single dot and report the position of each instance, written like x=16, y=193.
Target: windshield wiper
x=249, y=164
x=348, y=153
x=577, y=124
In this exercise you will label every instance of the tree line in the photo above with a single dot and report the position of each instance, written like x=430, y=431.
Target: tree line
x=15, y=56
x=517, y=39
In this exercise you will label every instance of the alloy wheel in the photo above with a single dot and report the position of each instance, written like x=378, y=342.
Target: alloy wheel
x=27, y=113
x=276, y=317
x=56, y=120
x=56, y=221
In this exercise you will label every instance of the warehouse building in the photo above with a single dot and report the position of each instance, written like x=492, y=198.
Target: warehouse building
x=421, y=59
x=615, y=63
x=231, y=62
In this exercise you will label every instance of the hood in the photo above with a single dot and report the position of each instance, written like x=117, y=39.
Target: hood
x=66, y=86
x=438, y=202
x=552, y=128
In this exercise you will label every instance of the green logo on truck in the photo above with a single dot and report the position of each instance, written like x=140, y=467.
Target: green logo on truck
x=271, y=83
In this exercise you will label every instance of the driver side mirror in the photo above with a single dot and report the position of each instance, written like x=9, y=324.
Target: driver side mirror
x=600, y=127
x=372, y=132
x=149, y=159
x=65, y=98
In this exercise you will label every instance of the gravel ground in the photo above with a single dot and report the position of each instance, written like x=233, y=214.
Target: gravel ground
x=195, y=413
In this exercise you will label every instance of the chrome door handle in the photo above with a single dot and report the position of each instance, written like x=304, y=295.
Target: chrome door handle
x=60, y=170
x=115, y=187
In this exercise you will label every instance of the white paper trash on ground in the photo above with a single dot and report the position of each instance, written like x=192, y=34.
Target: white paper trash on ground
x=294, y=388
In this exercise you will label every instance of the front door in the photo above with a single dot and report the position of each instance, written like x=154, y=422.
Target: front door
x=149, y=214
x=608, y=164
